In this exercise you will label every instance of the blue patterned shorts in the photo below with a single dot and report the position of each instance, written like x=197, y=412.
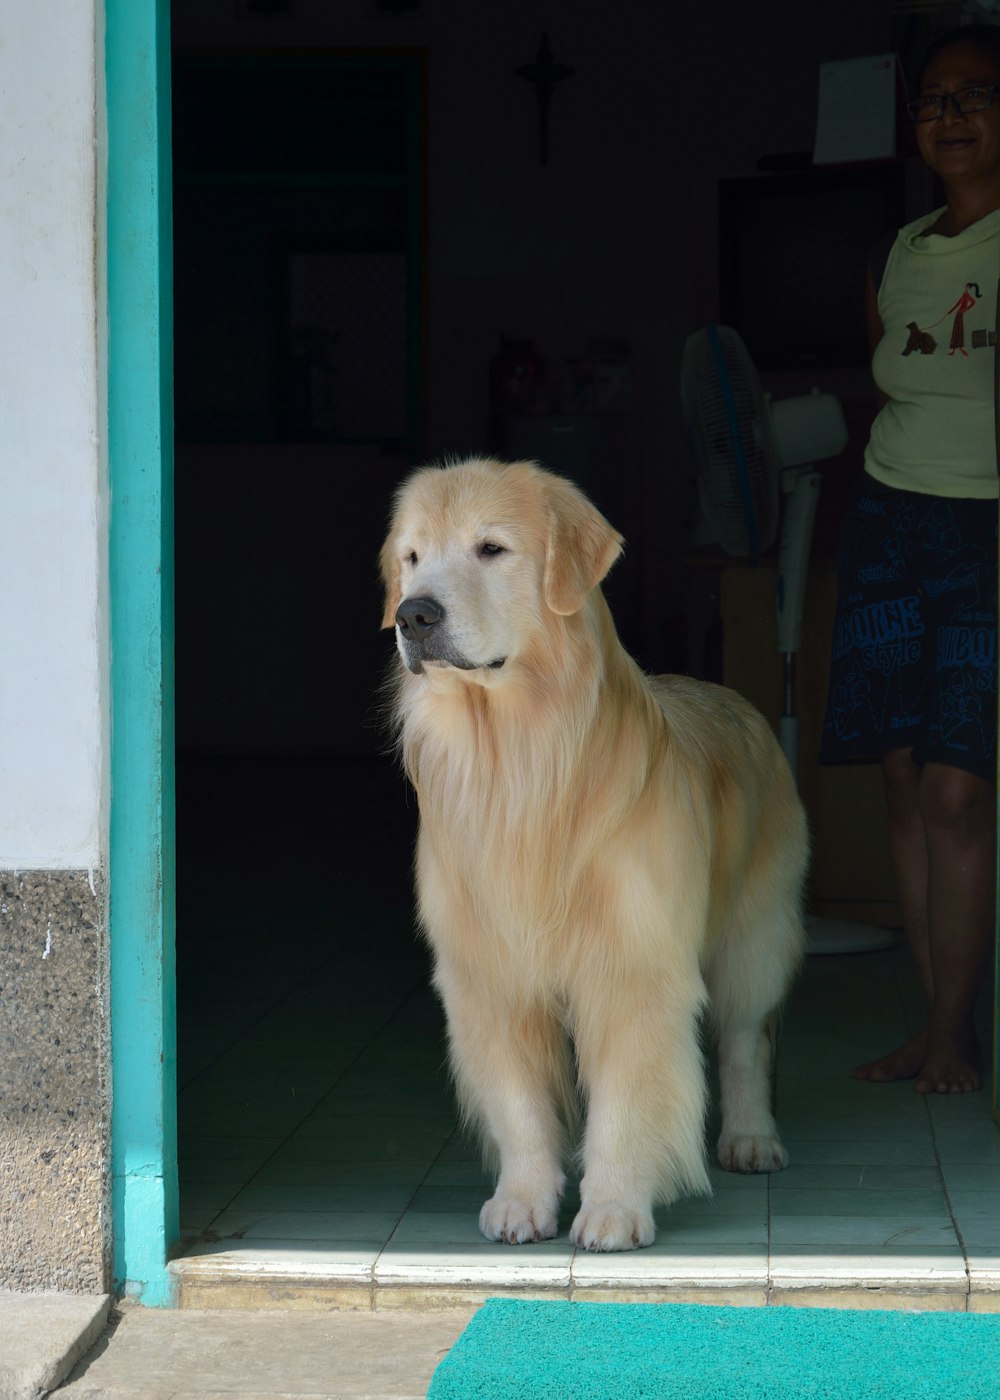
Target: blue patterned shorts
x=914, y=653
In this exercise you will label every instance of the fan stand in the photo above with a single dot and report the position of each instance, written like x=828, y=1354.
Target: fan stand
x=823, y=936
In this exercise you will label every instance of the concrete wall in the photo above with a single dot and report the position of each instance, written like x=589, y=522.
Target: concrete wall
x=53, y=700
x=51, y=562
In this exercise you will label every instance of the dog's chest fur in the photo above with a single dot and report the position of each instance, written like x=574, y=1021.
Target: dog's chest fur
x=517, y=837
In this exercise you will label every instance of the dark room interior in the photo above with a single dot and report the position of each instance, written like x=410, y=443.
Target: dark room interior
x=407, y=230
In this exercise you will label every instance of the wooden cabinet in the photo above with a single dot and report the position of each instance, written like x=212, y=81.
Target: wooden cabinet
x=850, y=874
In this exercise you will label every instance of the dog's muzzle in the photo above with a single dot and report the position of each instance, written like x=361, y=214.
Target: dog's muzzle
x=423, y=636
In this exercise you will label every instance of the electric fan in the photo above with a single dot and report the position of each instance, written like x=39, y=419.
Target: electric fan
x=749, y=452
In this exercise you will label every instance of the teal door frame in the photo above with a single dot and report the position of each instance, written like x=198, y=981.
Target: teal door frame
x=139, y=380
x=139, y=376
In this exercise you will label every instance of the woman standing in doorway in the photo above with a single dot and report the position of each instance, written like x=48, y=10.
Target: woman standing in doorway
x=913, y=674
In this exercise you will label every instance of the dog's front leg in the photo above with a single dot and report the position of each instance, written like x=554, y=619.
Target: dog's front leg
x=641, y=1064
x=511, y=1070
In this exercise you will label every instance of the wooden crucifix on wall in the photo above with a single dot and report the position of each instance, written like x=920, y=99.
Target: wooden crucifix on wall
x=543, y=74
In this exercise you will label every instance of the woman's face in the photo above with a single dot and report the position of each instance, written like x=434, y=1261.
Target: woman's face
x=961, y=148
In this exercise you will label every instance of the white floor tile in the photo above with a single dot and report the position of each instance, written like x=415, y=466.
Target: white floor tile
x=360, y=1173
x=313, y=1168
x=969, y=1145
x=349, y=1227
x=854, y=1176
x=334, y=1196
x=885, y=1234
x=978, y=1217
x=207, y=1172
x=440, y=1199
x=833, y=1202
x=886, y=1151
x=218, y=1149
x=460, y=1228
x=973, y=1177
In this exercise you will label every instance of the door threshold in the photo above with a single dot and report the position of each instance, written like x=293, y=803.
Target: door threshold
x=295, y=1276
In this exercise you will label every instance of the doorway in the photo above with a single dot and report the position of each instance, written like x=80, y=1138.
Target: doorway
x=316, y=1124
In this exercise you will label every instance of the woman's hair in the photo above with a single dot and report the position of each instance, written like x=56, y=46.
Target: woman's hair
x=984, y=37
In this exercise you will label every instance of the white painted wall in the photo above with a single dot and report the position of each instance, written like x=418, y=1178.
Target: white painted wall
x=52, y=509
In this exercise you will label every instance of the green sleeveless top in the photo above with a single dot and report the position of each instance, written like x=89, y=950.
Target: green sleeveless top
x=935, y=363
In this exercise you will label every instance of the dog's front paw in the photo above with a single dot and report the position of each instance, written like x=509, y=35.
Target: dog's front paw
x=512, y=1220
x=752, y=1152
x=610, y=1225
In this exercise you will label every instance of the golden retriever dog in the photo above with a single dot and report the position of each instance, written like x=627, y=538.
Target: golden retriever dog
x=601, y=859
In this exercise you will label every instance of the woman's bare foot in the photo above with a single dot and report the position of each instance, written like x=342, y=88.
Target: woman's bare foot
x=904, y=1063
x=941, y=1063
x=951, y=1065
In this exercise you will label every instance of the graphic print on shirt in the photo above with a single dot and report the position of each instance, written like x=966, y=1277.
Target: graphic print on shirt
x=920, y=341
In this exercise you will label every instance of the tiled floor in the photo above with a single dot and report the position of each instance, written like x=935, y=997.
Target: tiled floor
x=320, y=1159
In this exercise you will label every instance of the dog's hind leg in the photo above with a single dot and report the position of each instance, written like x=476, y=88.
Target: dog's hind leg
x=749, y=1140
x=512, y=1074
x=747, y=982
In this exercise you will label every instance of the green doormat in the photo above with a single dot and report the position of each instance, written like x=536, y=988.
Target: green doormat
x=519, y=1350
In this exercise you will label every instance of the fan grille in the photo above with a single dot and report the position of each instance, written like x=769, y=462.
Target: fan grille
x=729, y=425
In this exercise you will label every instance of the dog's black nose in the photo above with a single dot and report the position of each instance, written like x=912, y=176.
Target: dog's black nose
x=415, y=617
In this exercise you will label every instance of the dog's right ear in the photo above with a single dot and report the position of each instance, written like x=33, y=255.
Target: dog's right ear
x=389, y=568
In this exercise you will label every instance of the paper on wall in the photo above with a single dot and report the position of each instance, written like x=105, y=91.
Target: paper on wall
x=856, y=117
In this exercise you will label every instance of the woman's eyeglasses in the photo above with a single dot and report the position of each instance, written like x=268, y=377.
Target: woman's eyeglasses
x=930, y=107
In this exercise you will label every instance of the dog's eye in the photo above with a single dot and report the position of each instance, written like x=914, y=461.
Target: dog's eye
x=411, y=558
x=489, y=549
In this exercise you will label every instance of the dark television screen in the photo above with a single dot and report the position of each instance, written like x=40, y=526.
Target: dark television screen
x=793, y=251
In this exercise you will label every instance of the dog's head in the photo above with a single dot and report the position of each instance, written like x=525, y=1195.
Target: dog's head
x=478, y=552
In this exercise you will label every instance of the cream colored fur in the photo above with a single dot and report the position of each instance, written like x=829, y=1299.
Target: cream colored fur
x=602, y=858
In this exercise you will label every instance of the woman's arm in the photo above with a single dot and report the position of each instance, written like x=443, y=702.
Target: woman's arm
x=876, y=330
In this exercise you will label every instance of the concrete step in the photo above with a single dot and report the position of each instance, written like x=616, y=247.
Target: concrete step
x=42, y=1336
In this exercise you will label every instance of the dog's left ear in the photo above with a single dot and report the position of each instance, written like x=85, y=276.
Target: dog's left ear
x=389, y=568
x=580, y=549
